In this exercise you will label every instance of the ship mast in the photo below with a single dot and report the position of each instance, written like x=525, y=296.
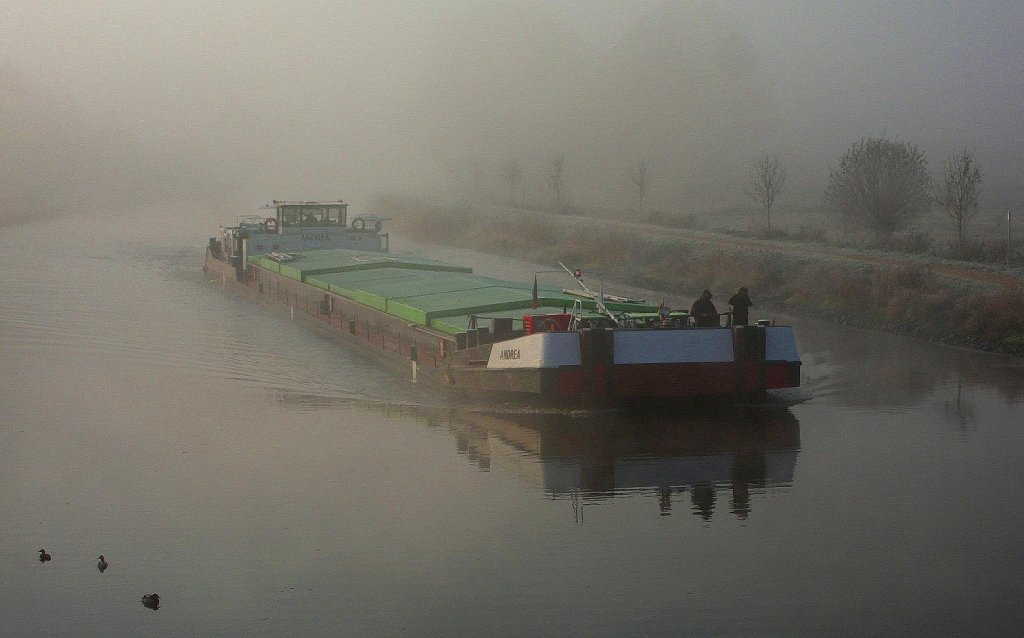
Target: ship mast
x=600, y=302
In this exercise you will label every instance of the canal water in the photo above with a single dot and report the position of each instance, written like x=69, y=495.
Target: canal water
x=266, y=482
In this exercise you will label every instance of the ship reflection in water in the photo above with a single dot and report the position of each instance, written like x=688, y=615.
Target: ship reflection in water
x=704, y=459
x=703, y=456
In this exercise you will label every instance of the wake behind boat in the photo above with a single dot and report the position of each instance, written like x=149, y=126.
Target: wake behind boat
x=479, y=334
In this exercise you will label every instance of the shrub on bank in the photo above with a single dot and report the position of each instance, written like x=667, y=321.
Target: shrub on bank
x=995, y=318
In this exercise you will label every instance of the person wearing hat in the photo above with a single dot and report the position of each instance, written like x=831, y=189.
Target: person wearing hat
x=740, y=303
x=703, y=311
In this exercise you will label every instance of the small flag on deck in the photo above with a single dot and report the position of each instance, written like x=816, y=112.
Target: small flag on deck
x=534, y=303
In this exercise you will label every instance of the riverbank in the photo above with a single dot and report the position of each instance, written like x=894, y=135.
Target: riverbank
x=962, y=306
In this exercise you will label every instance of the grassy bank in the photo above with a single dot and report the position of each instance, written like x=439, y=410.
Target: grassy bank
x=906, y=298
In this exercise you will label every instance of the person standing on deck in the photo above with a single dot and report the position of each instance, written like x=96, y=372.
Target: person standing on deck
x=703, y=311
x=740, y=303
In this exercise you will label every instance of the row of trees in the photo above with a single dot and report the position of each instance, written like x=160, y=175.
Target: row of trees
x=880, y=184
x=885, y=185
x=513, y=176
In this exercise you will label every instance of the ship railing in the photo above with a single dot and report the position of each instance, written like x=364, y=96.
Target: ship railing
x=498, y=328
x=627, y=321
x=256, y=224
x=578, y=320
x=576, y=316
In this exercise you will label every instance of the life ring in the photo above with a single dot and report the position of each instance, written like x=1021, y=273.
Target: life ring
x=360, y=223
x=270, y=224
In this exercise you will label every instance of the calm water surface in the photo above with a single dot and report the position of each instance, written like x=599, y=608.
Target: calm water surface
x=266, y=482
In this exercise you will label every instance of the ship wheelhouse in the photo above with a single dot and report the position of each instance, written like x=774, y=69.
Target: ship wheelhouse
x=297, y=226
x=311, y=214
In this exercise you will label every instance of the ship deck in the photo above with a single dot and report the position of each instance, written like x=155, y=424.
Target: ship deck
x=427, y=292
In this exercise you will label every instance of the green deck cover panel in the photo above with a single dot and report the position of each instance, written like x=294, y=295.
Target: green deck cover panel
x=344, y=283
x=315, y=262
x=376, y=287
x=428, y=283
x=468, y=300
x=265, y=262
x=424, y=291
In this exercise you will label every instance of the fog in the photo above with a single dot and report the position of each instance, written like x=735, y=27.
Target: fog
x=119, y=103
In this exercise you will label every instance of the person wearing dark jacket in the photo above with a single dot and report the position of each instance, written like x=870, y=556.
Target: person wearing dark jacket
x=703, y=311
x=740, y=303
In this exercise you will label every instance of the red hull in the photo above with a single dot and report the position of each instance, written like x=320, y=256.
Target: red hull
x=677, y=380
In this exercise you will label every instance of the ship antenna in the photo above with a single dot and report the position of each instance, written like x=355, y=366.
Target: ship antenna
x=578, y=276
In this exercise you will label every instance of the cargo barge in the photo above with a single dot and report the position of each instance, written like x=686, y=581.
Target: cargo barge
x=443, y=324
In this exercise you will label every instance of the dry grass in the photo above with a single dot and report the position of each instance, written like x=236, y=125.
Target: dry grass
x=905, y=299
x=994, y=317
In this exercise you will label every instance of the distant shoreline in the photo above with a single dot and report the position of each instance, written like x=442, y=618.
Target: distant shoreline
x=953, y=304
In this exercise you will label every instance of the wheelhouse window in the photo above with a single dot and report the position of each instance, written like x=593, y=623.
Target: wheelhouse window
x=313, y=214
x=290, y=215
x=335, y=216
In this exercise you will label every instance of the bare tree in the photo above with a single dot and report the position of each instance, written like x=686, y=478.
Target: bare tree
x=767, y=182
x=957, y=193
x=556, y=174
x=638, y=177
x=881, y=184
x=512, y=173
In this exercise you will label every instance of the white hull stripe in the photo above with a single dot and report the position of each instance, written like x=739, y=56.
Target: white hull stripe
x=556, y=349
x=780, y=344
x=542, y=350
x=673, y=346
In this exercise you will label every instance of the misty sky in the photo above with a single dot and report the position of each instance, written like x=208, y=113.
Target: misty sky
x=257, y=100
